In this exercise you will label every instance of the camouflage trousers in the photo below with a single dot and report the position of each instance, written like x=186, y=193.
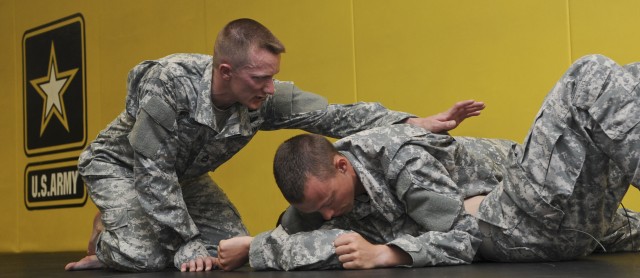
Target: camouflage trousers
x=560, y=199
x=128, y=241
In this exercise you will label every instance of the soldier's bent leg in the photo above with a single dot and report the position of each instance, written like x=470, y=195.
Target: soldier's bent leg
x=594, y=106
x=214, y=215
x=608, y=96
x=583, y=151
x=127, y=242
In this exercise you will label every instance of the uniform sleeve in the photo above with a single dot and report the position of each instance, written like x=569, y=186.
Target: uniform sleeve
x=154, y=139
x=449, y=236
x=293, y=108
x=278, y=250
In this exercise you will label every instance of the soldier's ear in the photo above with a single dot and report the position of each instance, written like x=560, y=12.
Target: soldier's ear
x=340, y=162
x=225, y=71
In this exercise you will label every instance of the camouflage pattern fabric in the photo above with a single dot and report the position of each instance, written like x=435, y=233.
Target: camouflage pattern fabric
x=569, y=176
x=139, y=169
x=555, y=197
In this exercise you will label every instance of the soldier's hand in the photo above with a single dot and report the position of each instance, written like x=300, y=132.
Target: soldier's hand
x=449, y=119
x=234, y=252
x=199, y=264
x=355, y=252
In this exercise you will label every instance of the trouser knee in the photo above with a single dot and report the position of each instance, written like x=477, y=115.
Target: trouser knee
x=591, y=66
x=606, y=98
x=597, y=92
x=136, y=259
x=128, y=242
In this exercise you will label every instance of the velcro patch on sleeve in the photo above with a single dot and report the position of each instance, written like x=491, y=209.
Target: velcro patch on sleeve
x=431, y=210
x=152, y=126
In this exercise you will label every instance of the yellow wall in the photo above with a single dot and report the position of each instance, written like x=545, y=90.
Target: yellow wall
x=418, y=56
x=9, y=185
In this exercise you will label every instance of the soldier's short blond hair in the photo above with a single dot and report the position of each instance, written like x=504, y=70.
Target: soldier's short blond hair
x=238, y=37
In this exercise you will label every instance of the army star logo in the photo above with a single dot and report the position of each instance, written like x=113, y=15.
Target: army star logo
x=54, y=85
x=51, y=88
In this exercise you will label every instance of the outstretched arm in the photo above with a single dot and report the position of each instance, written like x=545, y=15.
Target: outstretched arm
x=294, y=108
x=449, y=119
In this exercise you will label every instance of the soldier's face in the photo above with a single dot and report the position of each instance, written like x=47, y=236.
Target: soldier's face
x=332, y=197
x=252, y=83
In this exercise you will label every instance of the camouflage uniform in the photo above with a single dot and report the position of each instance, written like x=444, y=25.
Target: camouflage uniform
x=148, y=170
x=553, y=198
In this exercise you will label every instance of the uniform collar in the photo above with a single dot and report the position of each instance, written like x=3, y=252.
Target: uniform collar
x=380, y=195
x=239, y=123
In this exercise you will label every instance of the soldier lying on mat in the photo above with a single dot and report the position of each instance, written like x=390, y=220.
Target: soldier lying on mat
x=403, y=196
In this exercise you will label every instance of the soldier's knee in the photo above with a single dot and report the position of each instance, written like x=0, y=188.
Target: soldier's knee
x=132, y=260
x=591, y=67
x=594, y=60
x=139, y=264
x=592, y=75
x=127, y=248
x=153, y=264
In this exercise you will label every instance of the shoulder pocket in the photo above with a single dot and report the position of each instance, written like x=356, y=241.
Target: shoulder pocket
x=153, y=124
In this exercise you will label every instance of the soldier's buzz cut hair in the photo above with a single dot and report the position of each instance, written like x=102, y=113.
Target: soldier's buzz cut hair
x=238, y=37
x=298, y=158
